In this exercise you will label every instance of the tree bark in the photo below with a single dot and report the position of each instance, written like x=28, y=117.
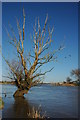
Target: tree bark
x=20, y=93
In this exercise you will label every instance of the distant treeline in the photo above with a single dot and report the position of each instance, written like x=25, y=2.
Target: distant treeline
x=64, y=83
x=7, y=82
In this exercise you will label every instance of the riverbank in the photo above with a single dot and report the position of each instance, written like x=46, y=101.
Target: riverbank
x=53, y=84
x=64, y=84
x=7, y=82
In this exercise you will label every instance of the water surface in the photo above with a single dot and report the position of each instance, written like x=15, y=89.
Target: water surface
x=56, y=101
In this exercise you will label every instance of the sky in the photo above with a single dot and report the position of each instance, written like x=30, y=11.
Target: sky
x=64, y=18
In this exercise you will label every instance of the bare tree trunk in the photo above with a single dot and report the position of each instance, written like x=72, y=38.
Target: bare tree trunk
x=20, y=93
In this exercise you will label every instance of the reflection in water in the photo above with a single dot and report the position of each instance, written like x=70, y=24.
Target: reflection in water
x=19, y=108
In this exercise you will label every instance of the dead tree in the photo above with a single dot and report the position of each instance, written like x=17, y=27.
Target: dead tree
x=76, y=73
x=23, y=75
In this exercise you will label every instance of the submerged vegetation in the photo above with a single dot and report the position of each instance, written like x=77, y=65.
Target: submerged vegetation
x=1, y=103
x=36, y=113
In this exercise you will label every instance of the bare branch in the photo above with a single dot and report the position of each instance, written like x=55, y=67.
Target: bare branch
x=44, y=26
x=8, y=77
x=23, y=23
x=37, y=68
x=41, y=74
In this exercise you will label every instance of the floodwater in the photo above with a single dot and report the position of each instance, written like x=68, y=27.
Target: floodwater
x=54, y=101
